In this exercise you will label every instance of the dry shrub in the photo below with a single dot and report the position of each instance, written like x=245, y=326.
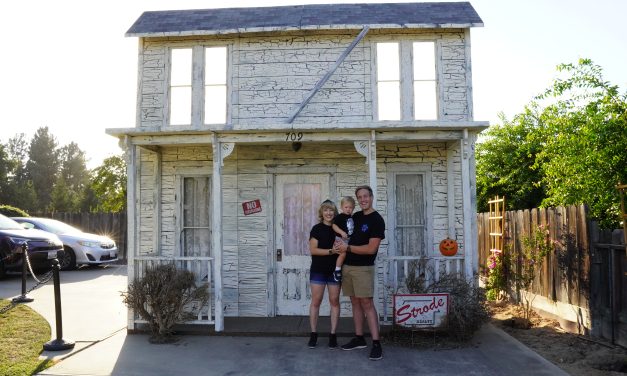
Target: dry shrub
x=468, y=310
x=163, y=297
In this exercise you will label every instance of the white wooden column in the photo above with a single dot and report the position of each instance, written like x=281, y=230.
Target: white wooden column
x=220, y=151
x=469, y=248
x=131, y=216
x=450, y=190
x=369, y=150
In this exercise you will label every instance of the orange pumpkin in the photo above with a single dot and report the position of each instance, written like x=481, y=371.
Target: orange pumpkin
x=448, y=247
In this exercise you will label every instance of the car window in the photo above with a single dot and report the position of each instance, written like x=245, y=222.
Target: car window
x=9, y=224
x=27, y=225
x=52, y=225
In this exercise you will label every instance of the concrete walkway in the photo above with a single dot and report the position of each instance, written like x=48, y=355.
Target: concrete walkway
x=95, y=318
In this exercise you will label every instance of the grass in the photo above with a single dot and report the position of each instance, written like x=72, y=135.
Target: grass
x=23, y=333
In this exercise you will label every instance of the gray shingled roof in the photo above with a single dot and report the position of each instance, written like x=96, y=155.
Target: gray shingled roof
x=304, y=17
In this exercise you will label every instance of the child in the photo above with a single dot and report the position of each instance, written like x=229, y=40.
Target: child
x=343, y=225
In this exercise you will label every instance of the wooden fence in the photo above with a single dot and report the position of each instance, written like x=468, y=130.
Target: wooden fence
x=583, y=281
x=112, y=225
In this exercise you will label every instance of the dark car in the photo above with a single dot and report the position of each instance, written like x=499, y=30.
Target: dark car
x=42, y=246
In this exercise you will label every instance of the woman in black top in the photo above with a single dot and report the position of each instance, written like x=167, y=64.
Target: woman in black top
x=323, y=257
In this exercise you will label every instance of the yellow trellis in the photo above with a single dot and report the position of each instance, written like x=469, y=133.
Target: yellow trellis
x=496, y=221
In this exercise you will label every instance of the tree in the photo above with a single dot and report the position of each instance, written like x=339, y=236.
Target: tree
x=5, y=169
x=505, y=162
x=19, y=190
x=42, y=166
x=108, y=184
x=584, y=155
x=73, y=178
x=567, y=147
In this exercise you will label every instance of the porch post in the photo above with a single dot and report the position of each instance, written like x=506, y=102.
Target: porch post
x=469, y=247
x=216, y=232
x=372, y=166
x=131, y=216
x=221, y=150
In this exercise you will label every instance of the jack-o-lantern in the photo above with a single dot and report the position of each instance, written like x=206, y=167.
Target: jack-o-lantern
x=448, y=247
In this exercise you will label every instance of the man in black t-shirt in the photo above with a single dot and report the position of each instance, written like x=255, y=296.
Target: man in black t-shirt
x=359, y=272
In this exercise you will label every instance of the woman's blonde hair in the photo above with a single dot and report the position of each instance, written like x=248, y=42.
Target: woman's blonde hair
x=326, y=204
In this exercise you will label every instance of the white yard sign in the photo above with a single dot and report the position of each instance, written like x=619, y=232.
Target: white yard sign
x=420, y=310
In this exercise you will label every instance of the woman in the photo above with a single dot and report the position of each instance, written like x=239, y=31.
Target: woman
x=323, y=258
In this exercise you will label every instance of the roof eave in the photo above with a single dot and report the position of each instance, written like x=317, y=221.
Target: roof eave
x=185, y=33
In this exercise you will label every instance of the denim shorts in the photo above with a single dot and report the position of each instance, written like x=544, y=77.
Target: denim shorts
x=322, y=279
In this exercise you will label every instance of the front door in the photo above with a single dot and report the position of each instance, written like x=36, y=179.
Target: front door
x=297, y=200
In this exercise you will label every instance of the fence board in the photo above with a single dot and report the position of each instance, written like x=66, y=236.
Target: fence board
x=586, y=270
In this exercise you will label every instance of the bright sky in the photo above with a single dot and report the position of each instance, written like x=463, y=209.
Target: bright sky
x=66, y=64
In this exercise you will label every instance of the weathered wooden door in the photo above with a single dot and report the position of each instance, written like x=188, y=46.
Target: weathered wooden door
x=297, y=200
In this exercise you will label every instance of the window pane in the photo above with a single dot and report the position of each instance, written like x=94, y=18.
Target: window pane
x=389, y=97
x=425, y=103
x=215, y=104
x=215, y=66
x=300, y=207
x=410, y=215
x=181, y=67
x=180, y=105
x=387, y=62
x=424, y=61
x=196, y=234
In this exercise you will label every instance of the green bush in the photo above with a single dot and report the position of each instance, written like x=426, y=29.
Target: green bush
x=12, y=211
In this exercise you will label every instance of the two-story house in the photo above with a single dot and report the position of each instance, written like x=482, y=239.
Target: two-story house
x=248, y=118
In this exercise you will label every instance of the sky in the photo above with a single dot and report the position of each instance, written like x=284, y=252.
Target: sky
x=67, y=65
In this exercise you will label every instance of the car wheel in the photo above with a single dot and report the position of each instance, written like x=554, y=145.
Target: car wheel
x=67, y=259
x=3, y=272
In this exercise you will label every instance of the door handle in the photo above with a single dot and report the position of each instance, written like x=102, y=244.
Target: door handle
x=279, y=254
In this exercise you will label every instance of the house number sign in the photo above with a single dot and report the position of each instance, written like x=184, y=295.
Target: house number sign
x=420, y=310
x=293, y=136
x=251, y=207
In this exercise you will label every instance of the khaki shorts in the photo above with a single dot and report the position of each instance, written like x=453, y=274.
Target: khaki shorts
x=358, y=281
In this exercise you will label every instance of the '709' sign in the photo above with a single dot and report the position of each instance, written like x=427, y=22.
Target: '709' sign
x=420, y=310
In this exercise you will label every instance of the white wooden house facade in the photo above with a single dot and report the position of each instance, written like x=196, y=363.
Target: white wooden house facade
x=248, y=118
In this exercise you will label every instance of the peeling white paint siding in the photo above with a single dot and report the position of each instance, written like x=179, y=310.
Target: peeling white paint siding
x=272, y=74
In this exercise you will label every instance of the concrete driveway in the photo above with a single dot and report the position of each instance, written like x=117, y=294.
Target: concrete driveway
x=95, y=318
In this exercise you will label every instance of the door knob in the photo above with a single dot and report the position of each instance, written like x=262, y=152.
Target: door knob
x=279, y=254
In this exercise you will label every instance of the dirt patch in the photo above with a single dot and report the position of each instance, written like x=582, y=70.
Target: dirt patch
x=577, y=355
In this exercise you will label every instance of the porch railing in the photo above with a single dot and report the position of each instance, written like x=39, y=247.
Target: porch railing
x=202, y=267
x=396, y=270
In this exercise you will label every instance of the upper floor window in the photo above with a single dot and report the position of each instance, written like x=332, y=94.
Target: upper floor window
x=198, y=85
x=181, y=86
x=215, y=85
x=406, y=81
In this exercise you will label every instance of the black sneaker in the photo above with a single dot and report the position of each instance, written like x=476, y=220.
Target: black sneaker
x=313, y=340
x=355, y=343
x=377, y=352
x=332, y=341
x=337, y=276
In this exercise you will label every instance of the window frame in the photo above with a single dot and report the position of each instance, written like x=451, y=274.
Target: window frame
x=407, y=93
x=180, y=210
x=197, y=114
x=410, y=169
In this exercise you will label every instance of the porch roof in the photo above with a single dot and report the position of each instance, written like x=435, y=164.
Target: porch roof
x=395, y=131
x=305, y=17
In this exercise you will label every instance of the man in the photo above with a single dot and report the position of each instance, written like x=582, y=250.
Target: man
x=359, y=272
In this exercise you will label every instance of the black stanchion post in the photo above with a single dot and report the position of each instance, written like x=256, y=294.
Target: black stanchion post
x=59, y=343
x=23, y=298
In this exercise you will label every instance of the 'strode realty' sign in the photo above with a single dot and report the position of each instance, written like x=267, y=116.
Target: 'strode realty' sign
x=420, y=310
